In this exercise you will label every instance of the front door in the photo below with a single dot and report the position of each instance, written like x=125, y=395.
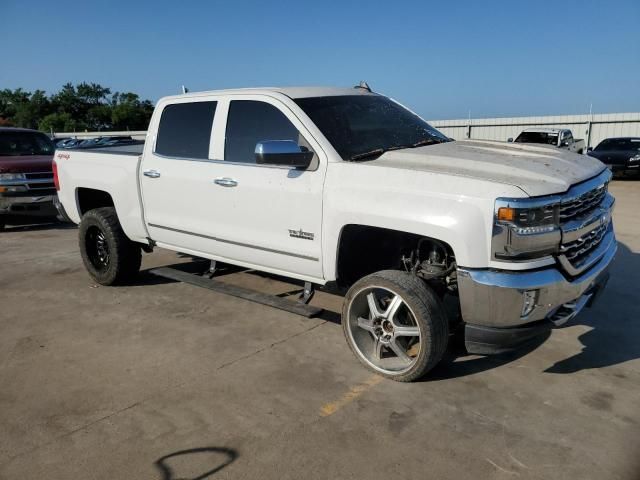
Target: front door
x=273, y=215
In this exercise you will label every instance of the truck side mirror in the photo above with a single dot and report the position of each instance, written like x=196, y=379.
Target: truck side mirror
x=285, y=153
x=565, y=143
x=510, y=139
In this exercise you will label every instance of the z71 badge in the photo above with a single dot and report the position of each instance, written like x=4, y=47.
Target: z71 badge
x=300, y=234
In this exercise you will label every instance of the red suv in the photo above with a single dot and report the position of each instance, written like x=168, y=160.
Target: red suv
x=26, y=176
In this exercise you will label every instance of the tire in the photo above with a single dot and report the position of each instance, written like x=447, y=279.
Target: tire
x=108, y=255
x=374, y=339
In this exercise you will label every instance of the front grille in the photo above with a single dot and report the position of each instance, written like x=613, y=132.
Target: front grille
x=41, y=186
x=575, y=255
x=40, y=182
x=579, y=249
x=582, y=204
x=38, y=176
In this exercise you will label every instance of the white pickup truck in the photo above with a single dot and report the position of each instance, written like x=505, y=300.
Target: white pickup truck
x=348, y=188
x=556, y=137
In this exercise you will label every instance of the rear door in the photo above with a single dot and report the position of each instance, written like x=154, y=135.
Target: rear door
x=177, y=170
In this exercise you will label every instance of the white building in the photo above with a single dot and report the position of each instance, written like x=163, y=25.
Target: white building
x=592, y=128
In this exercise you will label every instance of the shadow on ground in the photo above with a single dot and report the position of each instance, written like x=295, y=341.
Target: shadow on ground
x=45, y=224
x=458, y=363
x=220, y=458
x=614, y=337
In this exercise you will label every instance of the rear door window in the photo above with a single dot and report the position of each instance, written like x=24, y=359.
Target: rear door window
x=185, y=130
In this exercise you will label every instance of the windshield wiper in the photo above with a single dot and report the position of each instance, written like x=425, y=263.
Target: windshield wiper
x=379, y=151
x=425, y=141
x=371, y=153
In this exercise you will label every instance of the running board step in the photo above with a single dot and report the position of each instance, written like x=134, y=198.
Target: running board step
x=252, y=295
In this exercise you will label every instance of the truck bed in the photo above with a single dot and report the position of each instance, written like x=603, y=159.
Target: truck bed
x=113, y=170
x=129, y=149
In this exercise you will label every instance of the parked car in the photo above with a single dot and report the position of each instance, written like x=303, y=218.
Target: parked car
x=621, y=155
x=347, y=188
x=117, y=140
x=67, y=142
x=105, y=141
x=557, y=137
x=89, y=142
x=26, y=177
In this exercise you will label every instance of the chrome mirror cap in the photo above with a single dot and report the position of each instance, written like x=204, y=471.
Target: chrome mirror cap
x=284, y=153
x=269, y=147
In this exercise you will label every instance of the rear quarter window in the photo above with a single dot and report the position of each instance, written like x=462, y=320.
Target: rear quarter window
x=185, y=130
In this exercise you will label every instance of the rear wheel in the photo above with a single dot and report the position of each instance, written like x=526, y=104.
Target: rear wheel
x=108, y=255
x=395, y=325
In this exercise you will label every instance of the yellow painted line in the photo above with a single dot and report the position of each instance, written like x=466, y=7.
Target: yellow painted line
x=332, y=407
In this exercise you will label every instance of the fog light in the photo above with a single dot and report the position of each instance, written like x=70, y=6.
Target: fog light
x=529, y=300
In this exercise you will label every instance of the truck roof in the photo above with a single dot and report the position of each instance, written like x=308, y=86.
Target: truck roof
x=17, y=129
x=544, y=130
x=292, y=92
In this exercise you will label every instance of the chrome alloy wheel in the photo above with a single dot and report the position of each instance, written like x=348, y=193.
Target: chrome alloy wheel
x=383, y=330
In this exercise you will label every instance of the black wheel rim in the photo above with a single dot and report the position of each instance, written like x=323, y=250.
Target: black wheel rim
x=97, y=249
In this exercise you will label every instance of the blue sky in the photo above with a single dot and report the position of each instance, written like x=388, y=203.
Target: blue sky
x=442, y=59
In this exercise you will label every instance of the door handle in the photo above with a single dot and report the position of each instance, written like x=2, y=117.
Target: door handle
x=151, y=173
x=225, y=182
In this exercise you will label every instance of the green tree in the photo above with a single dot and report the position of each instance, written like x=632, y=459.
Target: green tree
x=85, y=106
x=11, y=101
x=29, y=113
x=60, y=122
x=128, y=112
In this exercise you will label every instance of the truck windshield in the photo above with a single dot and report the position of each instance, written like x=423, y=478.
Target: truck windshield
x=25, y=144
x=538, y=137
x=365, y=126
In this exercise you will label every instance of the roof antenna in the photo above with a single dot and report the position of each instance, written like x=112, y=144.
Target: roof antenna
x=364, y=85
x=184, y=90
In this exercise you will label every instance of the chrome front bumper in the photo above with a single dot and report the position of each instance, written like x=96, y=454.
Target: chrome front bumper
x=27, y=205
x=496, y=298
x=62, y=213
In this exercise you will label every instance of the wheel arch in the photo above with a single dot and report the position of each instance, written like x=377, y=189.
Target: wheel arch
x=364, y=249
x=91, y=198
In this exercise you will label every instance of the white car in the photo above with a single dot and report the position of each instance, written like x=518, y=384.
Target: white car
x=556, y=137
x=348, y=188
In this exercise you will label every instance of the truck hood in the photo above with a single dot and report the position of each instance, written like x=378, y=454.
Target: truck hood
x=535, y=169
x=26, y=164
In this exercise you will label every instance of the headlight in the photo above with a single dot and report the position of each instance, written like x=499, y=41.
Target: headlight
x=635, y=159
x=526, y=228
x=9, y=177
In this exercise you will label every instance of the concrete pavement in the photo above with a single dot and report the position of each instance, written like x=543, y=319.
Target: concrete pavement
x=163, y=380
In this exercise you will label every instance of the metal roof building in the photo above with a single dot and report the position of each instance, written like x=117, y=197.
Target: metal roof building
x=592, y=128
